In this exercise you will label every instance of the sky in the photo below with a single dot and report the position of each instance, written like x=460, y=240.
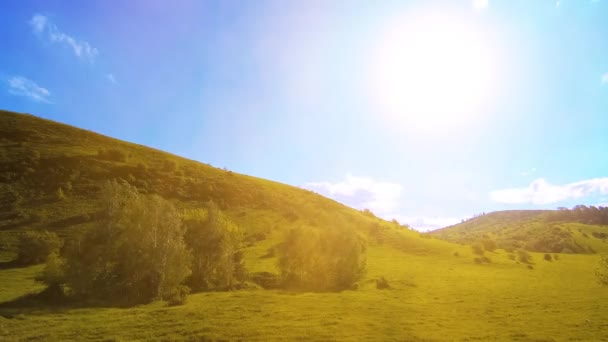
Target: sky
x=428, y=112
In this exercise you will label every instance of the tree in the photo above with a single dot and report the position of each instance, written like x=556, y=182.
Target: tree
x=36, y=246
x=136, y=253
x=215, y=242
x=601, y=272
x=321, y=260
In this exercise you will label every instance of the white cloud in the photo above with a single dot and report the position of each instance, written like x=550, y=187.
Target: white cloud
x=604, y=79
x=111, y=78
x=542, y=192
x=480, y=4
x=42, y=26
x=361, y=193
x=21, y=86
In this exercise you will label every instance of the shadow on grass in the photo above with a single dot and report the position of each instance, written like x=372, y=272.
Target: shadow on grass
x=5, y=265
x=53, y=299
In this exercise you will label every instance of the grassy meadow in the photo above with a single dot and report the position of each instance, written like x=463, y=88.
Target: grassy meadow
x=433, y=297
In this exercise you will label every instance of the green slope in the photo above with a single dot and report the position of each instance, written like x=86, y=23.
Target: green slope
x=40, y=158
x=532, y=230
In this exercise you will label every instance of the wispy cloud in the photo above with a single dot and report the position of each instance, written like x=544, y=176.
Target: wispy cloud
x=111, y=78
x=604, y=78
x=42, y=26
x=21, y=86
x=361, y=193
x=480, y=4
x=542, y=192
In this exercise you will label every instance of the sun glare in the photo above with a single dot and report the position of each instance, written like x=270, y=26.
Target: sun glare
x=432, y=71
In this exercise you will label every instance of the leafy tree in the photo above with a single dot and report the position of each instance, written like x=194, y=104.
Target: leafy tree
x=322, y=259
x=215, y=242
x=136, y=253
x=36, y=246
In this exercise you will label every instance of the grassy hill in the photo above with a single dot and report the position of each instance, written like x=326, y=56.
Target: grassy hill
x=532, y=230
x=50, y=177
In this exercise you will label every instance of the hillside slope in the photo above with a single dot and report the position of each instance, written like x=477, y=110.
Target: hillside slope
x=51, y=173
x=546, y=231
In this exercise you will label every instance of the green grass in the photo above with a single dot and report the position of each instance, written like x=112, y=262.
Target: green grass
x=433, y=297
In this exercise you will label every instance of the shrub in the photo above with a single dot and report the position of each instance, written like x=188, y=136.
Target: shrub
x=456, y=254
x=523, y=256
x=477, y=248
x=36, y=246
x=488, y=244
x=178, y=295
x=482, y=260
x=322, y=260
x=548, y=257
x=382, y=284
x=555, y=256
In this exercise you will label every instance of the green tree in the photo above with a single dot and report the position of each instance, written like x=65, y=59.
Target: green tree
x=136, y=253
x=321, y=260
x=36, y=246
x=215, y=242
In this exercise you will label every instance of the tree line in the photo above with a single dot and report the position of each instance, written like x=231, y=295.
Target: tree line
x=143, y=248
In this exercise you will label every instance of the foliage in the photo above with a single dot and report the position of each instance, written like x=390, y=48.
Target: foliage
x=382, y=284
x=477, y=248
x=319, y=260
x=523, y=256
x=215, y=242
x=36, y=246
x=548, y=257
x=136, y=252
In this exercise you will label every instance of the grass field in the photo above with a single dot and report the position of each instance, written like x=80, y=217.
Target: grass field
x=433, y=297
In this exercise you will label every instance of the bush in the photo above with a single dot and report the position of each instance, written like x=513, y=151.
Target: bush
x=477, y=248
x=382, y=284
x=523, y=256
x=36, y=246
x=548, y=257
x=482, y=260
x=178, y=295
x=488, y=244
x=322, y=260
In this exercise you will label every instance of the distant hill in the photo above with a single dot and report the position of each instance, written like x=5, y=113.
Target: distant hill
x=51, y=173
x=581, y=230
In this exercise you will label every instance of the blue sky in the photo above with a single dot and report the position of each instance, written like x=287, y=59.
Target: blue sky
x=424, y=111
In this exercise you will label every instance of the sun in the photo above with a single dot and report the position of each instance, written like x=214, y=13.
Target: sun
x=432, y=70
